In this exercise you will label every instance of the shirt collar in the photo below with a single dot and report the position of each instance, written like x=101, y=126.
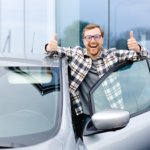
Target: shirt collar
x=103, y=53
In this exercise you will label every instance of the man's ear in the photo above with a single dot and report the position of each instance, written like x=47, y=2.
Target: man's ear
x=102, y=40
x=83, y=41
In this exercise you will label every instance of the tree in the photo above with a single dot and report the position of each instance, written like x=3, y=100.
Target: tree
x=73, y=35
x=120, y=42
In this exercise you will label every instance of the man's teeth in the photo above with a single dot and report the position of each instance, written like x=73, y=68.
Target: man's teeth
x=93, y=46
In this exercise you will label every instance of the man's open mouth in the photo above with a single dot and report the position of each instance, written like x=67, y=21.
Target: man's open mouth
x=93, y=46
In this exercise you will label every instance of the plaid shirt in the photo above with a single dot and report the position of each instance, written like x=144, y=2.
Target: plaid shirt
x=81, y=64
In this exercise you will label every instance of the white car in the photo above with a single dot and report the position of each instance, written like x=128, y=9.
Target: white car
x=35, y=107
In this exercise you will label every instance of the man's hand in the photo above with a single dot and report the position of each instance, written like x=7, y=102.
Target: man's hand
x=132, y=44
x=52, y=45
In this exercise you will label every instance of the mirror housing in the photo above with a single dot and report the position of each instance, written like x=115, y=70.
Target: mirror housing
x=106, y=120
x=110, y=119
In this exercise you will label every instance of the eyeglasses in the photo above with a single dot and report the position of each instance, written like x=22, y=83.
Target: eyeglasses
x=96, y=37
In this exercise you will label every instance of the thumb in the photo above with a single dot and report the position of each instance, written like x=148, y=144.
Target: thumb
x=55, y=36
x=131, y=35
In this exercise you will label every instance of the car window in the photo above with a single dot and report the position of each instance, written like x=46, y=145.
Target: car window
x=29, y=104
x=127, y=88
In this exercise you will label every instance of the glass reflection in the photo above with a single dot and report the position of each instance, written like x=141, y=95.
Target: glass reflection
x=41, y=78
x=29, y=104
x=95, y=11
x=67, y=22
x=35, y=25
x=70, y=24
x=26, y=25
x=127, y=16
x=11, y=26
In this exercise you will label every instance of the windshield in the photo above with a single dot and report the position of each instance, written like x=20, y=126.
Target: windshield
x=29, y=99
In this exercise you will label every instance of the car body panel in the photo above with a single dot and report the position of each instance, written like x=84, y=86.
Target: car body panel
x=134, y=136
x=68, y=139
x=28, y=60
x=48, y=145
x=80, y=145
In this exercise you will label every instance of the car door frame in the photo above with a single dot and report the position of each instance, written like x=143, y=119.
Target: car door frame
x=91, y=103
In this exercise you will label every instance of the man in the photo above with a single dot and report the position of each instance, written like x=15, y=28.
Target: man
x=90, y=64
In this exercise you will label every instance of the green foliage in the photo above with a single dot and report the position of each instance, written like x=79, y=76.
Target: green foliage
x=73, y=35
x=82, y=26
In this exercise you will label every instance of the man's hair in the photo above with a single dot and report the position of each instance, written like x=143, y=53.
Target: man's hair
x=92, y=26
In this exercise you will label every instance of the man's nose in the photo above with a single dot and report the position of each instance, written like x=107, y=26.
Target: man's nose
x=92, y=40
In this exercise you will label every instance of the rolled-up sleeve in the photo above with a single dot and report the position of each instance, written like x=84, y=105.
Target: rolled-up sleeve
x=68, y=53
x=124, y=55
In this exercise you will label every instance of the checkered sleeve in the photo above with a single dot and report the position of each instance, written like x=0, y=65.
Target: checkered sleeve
x=113, y=92
x=76, y=103
x=64, y=52
x=124, y=55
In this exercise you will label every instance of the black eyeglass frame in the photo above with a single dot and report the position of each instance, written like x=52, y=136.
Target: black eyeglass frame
x=93, y=37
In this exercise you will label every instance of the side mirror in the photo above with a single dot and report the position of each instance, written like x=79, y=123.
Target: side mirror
x=110, y=119
x=107, y=120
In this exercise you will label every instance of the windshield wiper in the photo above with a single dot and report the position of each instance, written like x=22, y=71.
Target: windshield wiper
x=10, y=145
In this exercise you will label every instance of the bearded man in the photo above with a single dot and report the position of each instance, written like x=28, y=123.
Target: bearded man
x=91, y=63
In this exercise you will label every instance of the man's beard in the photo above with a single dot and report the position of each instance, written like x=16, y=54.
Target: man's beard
x=98, y=50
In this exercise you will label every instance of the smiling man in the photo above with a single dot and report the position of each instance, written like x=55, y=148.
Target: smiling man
x=91, y=63
x=93, y=39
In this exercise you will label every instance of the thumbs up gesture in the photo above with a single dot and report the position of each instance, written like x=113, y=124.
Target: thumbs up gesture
x=52, y=45
x=132, y=44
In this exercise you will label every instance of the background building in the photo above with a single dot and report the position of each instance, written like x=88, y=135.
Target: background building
x=26, y=25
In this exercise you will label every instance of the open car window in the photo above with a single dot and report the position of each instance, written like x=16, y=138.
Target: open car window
x=126, y=88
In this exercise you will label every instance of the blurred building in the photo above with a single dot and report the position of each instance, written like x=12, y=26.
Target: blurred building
x=26, y=25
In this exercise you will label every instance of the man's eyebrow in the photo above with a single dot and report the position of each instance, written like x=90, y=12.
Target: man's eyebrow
x=91, y=35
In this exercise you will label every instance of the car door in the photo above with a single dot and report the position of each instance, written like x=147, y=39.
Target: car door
x=127, y=87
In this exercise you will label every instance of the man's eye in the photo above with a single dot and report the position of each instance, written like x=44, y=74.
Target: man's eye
x=97, y=36
x=88, y=37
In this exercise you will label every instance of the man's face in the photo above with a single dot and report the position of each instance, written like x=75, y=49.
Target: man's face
x=93, y=47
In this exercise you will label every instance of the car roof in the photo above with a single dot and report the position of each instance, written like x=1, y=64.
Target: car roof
x=32, y=59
